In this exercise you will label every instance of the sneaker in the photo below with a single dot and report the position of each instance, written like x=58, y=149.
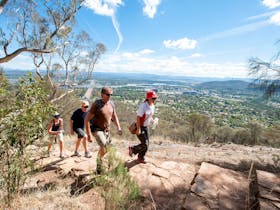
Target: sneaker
x=62, y=156
x=141, y=160
x=76, y=153
x=87, y=155
x=130, y=152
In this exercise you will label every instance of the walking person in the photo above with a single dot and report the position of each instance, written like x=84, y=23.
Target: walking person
x=77, y=126
x=143, y=119
x=100, y=115
x=55, y=130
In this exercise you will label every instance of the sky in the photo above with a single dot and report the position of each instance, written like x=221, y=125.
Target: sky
x=200, y=38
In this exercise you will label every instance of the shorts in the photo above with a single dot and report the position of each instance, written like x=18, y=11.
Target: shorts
x=80, y=132
x=58, y=137
x=102, y=137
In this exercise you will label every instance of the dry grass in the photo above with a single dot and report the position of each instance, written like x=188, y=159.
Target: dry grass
x=58, y=198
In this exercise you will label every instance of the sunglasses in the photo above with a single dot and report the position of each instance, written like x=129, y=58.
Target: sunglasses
x=85, y=106
x=108, y=94
x=154, y=98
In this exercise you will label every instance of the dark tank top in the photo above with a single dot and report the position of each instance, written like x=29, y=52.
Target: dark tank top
x=55, y=127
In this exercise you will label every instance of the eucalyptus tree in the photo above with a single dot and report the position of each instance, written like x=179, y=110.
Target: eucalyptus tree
x=199, y=126
x=266, y=74
x=32, y=26
x=79, y=55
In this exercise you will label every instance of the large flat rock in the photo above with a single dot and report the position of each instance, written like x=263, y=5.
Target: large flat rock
x=222, y=188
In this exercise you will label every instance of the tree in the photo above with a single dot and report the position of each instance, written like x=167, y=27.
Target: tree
x=266, y=74
x=79, y=55
x=2, y=4
x=33, y=26
x=255, y=130
x=199, y=125
x=23, y=117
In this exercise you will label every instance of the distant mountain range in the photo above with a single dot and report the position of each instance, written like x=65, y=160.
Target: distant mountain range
x=15, y=74
x=225, y=85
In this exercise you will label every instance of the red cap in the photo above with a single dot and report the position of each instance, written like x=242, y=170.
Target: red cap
x=151, y=94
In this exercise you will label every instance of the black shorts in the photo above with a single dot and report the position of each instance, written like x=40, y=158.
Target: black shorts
x=80, y=132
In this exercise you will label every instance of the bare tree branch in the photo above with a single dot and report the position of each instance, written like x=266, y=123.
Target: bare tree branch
x=11, y=56
x=2, y=5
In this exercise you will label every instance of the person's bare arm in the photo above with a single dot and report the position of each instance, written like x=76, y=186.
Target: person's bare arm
x=116, y=122
x=71, y=127
x=50, y=128
x=89, y=116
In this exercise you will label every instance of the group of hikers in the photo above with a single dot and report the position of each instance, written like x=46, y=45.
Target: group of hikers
x=95, y=121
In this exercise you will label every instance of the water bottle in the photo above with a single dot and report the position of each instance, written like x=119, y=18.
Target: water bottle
x=154, y=123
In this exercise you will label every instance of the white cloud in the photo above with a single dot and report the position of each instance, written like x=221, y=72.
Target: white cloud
x=261, y=16
x=183, y=44
x=236, y=31
x=196, y=55
x=22, y=61
x=275, y=19
x=143, y=63
x=271, y=3
x=107, y=8
x=150, y=8
x=146, y=51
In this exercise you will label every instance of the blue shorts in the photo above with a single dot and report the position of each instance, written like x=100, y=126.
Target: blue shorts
x=80, y=132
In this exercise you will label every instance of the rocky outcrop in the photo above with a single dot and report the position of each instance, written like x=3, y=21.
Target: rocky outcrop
x=173, y=183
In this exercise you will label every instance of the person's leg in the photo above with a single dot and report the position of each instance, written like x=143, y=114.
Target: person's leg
x=51, y=139
x=61, y=140
x=85, y=143
x=83, y=137
x=145, y=142
x=79, y=137
x=102, y=151
x=141, y=148
x=102, y=138
x=77, y=144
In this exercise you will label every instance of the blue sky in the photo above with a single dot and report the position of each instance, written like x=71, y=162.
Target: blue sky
x=205, y=38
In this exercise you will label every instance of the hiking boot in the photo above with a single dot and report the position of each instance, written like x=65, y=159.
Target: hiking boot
x=76, y=153
x=62, y=156
x=130, y=152
x=88, y=155
x=99, y=168
x=141, y=160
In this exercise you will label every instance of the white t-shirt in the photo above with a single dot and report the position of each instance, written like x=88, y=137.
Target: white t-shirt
x=144, y=108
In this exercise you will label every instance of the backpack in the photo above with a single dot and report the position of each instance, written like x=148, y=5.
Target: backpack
x=99, y=106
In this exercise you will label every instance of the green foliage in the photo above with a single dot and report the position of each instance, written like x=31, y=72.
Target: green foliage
x=224, y=134
x=199, y=126
x=22, y=120
x=119, y=191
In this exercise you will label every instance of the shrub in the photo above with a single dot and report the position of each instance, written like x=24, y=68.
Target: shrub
x=22, y=121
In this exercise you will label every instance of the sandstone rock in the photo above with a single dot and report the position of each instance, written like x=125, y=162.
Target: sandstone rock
x=224, y=187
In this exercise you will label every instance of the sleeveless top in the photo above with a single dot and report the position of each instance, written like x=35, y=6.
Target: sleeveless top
x=55, y=127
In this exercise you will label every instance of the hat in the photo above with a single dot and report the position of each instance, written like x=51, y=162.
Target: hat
x=151, y=94
x=56, y=114
x=85, y=103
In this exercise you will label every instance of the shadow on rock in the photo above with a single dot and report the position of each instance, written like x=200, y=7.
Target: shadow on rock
x=45, y=187
x=81, y=185
x=130, y=163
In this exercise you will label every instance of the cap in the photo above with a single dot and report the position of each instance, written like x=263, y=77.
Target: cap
x=56, y=114
x=151, y=94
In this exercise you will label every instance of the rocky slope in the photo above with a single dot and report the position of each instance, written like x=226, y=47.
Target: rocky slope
x=178, y=176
